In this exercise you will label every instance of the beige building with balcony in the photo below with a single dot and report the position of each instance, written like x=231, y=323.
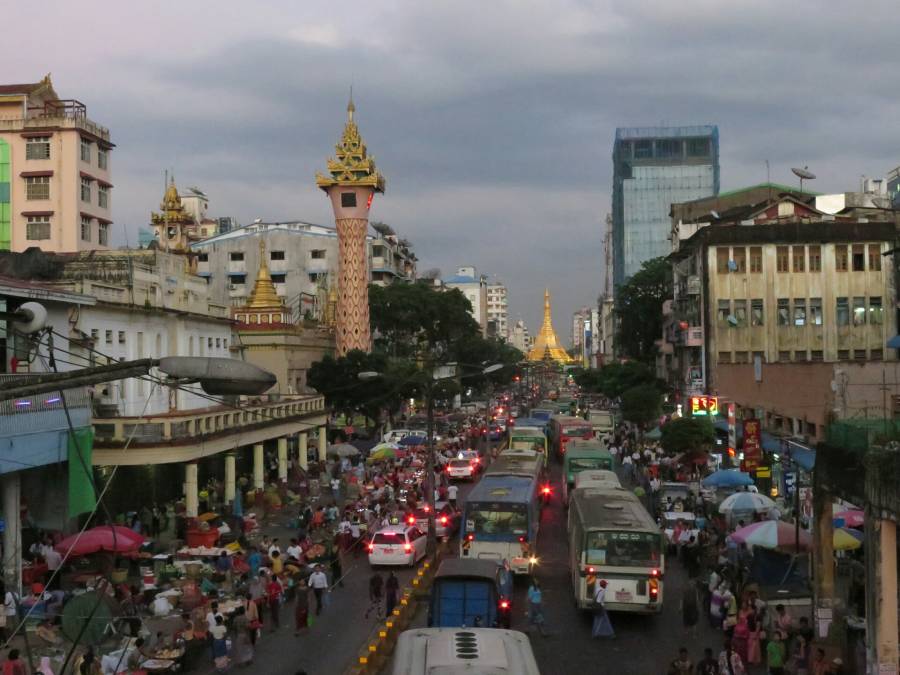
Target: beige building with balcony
x=777, y=304
x=55, y=185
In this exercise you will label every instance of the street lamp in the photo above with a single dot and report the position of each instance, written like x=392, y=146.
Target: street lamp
x=444, y=372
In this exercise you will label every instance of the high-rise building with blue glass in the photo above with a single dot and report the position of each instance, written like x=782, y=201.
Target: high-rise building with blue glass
x=653, y=168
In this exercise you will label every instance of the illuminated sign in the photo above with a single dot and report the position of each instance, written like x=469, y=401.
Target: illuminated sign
x=704, y=406
x=752, y=444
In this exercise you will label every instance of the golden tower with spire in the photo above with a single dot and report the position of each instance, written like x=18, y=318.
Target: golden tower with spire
x=546, y=344
x=265, y=307
x=351, y=183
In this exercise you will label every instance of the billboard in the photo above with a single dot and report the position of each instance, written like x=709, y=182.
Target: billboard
x=752, y=444
x=704, y=406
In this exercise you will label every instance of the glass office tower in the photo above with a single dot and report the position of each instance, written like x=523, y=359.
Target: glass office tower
x=653, y=168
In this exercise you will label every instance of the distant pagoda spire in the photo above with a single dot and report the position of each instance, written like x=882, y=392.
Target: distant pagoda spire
x=264, y=295
x=546, y=344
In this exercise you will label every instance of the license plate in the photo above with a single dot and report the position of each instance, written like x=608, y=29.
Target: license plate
x=387, y=550
x=624, y=596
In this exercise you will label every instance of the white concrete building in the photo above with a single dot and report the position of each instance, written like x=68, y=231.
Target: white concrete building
x=519, y=337
x=474, y=287
x=497, y=310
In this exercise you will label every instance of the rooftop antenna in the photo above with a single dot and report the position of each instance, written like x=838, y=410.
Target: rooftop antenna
x=803, y=174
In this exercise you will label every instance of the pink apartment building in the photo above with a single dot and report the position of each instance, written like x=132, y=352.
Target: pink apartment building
x=55, y=189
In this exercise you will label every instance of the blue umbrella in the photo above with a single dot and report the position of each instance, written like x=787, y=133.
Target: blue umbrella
x=727, y=478
x=412, y=440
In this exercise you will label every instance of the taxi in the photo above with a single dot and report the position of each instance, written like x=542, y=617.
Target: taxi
x=402, y=544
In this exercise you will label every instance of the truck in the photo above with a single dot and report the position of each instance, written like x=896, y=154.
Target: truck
x=471, y=593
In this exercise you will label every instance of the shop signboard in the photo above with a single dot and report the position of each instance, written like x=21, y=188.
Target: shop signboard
x=752, y=444
x=704, y=406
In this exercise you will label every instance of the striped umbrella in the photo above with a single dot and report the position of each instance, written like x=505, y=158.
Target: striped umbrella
x=747, y=502
x=850, y=518
x=774, y=534
x=846, y=539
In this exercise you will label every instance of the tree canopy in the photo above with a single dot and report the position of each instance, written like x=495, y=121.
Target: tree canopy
x=641, y=404
x=687, y=433
x=614, y=379
x=639, y=309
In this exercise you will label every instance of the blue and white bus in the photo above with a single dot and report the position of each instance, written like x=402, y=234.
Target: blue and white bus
x=501, y=519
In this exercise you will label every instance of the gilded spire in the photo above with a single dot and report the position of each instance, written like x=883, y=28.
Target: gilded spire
x=351, y=164
x=263, y=295
x=546, y=345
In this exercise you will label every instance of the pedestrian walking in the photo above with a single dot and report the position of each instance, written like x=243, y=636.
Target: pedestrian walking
x=776, y=654
x=220, y=644
x=318, y=581
x=274, y=593
x=391, y=593
x=301, y=608
x=690, y=610
x=536, y=607
x=376, y=587
x=730, y=661
x=709, y=665
x=602, y=625
x=682, y=664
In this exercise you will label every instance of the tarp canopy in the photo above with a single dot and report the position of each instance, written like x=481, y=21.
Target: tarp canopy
x=81, y=488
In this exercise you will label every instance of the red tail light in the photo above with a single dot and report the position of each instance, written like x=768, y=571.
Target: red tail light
x=521, y=539
x=407, y=547
x=470, y=537
x=426, y=508
x=546, y=490
x=371, y=548
x=590, y=570
x=411, y=520
x=504, y=604
x=654, y=590
x=443, y=520
x=654, y=573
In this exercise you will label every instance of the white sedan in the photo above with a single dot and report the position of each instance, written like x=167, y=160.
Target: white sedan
x=397, y=545
x=461, y=469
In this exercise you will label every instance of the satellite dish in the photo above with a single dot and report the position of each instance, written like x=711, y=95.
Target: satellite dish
x=804, y=173
x=32, y=317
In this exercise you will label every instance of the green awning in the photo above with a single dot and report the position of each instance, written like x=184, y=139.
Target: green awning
x=81, y=488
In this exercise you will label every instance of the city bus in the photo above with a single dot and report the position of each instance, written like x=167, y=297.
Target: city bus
x=527, y=438
x=583, y=456
x=422, y=651
x=564, y=428
x=613, y=538
x=501, y=520
x=530, y=463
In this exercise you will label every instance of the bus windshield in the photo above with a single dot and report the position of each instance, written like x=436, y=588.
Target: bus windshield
x=623, y=549
x=588, y=463
x=577, y=432
x=495, y=519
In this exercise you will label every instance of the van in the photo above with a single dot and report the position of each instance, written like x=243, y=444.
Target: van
x=470, y=592
x=469, y=651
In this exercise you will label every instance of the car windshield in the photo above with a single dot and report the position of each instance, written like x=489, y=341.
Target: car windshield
x=588, y=463
x=388, y=538
x=623, y=549
x=576, y=432
x=497, y=519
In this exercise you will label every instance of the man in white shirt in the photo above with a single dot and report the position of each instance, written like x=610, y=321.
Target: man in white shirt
x=274, y=547
x=452, y=492
x=53, y=559
x=211, y=615
x=294, y=550
x=318, y=581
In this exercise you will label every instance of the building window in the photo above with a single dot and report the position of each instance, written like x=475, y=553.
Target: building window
x=843, y=354
x=756, y=259
x=85, y=150
x=235, y=257
x=740, y=259
x=724, y=357
x=876, y=355
x=798, y=255
x=815, y=311
x=859, y=354
x=784, y=312
x=859, y=258
x=121, y=337
x=859, y=311
x=85, y=229
x=784, y=355
x=816, y=355
x=757, y=312
x=318, y=254
x=203, y=257
x=741, y=357
x=842, y=312
x=37, y=147
x=643, y=149
x=102, y=158
x=348, y=200
x=876, y=311
x=276, y=255
x=815, y=258
x=874, y=258
x=314, y=277
x=840, y=258
x=800, y=355
x=278, y=278
x=782, y=259
x=740, y=313
x=37, y=187
x=218, y=343
x=668, y=148
x=95, y=334
x=238, y=279
x=103, y=234
x=103, y=196
x=722, y=257
x=209, y=343
x=724, y=312
x=698, y=147
x=37, y=228
x=799, y=311
x=86, y=190
x=108, y=335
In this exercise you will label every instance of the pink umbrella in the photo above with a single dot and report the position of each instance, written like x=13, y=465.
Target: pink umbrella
x=851, y=518
x=772, y=534
x=101, y=538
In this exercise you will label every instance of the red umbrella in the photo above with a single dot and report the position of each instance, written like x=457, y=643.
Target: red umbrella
x=101, y=539
x=851, y=517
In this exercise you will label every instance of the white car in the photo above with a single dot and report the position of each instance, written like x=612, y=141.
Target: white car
x=397, y=545
x=395, y=435
x=461, y=469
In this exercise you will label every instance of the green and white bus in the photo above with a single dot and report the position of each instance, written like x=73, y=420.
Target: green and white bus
x=612, y=537
x=528, y=438
x=583, y=456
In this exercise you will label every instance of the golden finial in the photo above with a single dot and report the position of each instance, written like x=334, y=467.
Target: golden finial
x=350, y=107
x=351, y=164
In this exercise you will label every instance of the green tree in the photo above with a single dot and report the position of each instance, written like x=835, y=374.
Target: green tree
x=687, y=433
x=614, y=379
x=639, y=309
x=641, y=404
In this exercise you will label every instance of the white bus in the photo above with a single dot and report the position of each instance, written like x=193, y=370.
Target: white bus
x=463, y=651
x=613, y=537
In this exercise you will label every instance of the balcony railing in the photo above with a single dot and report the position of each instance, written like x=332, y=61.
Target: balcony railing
x=54, y=119
x=188, y=425
x=44, y=412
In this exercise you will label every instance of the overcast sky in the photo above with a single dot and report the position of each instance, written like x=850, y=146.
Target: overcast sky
x=492, y=121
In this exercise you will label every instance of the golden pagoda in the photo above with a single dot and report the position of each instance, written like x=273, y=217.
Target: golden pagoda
x=546, y=345
x=265, y=307
x=175, y=227
x=351, y=164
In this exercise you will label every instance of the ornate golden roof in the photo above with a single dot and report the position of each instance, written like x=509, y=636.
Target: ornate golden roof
x=546, y=345
x=171, y=210
x=351, y=164
x=264, y=295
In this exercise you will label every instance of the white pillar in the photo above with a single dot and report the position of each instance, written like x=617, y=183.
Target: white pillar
x=323, y=442
x=12, y=535
x=259, y=467
x=282, y=459
x=304, y=449
x=191, y=496
x=886, y=635
x=229, y=478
